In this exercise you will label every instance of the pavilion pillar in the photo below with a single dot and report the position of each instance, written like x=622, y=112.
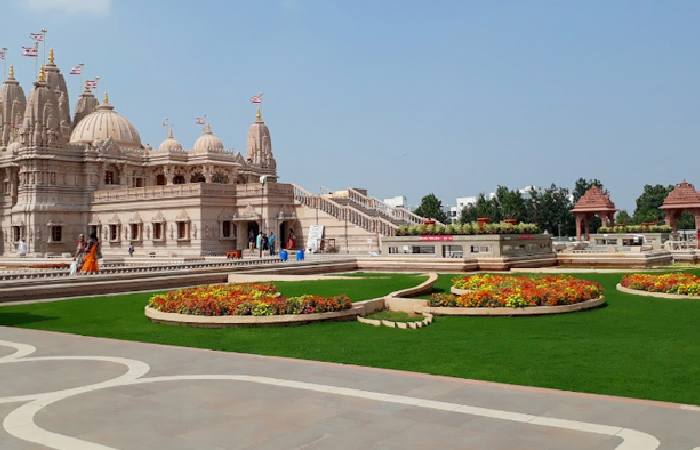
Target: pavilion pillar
x=579, y=225
x=670, y=219
x=587, y=227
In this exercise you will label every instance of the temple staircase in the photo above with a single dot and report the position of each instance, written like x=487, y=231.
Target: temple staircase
x=354, y=220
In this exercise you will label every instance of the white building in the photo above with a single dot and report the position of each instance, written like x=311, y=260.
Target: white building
x=455, y=212
x=398, y=201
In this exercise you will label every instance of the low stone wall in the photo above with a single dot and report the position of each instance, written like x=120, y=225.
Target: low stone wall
x=621, y=288
x=615, y=259
x=193, y=320
x=507, y=311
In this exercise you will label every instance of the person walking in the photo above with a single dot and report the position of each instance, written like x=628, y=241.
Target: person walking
x=131, y=249
x=92, y=255
x=258, y=241
x=80, y=248
x=271, y=243
x=265, y=242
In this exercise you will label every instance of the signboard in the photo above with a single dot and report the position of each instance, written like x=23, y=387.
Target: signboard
x=315, y=236
x=437, y=238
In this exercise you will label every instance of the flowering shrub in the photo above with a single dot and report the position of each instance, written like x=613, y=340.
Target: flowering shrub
x=518, y=291
x=619, y=229
x=670, y=283
x=468, y=228
x=246, y=299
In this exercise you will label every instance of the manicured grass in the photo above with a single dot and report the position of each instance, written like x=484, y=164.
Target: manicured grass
x=395, y=316
x=636, y=346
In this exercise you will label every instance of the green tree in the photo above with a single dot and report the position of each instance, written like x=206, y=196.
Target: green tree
x=510, y=204
x=468, y=214
x=624, y=218
x=552, y=211
x=686, y=221
x=431, y=208
x=648, y=203
x=487, y=208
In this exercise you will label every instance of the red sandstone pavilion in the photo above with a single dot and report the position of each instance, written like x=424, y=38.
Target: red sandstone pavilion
x=684, y=197
x=593, y=202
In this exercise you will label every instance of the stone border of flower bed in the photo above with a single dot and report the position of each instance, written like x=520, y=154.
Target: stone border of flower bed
x=508, y=311
x=194, y=320
x=621, y=288
x=360, y=308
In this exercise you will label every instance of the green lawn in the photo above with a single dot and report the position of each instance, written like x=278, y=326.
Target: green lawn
x=635, y=346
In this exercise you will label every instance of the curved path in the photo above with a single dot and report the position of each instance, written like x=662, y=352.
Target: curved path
x=203, y=399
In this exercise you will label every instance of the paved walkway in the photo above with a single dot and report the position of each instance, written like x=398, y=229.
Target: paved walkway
x=79, y=393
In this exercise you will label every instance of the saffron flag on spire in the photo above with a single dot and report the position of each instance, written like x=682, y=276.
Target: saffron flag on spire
x=30, y=51
x=76, y=70
x=200, y=120
x=38, y=37
x=256, y=98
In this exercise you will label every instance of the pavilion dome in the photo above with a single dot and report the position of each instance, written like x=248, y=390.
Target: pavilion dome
x=208, y=142
x=103, y=124
x=683, y=195
x=170, y=144
x=595, y=199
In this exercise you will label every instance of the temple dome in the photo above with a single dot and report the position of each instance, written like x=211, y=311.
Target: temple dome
x=103, y=124
x=170, y=144
x=208, y=142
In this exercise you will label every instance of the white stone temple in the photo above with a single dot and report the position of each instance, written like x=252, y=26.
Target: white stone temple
x=61, y=176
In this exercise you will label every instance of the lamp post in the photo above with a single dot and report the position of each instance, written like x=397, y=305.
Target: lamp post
x=263, y=180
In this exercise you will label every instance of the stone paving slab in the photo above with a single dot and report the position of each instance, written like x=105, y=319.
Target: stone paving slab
x=381, y=409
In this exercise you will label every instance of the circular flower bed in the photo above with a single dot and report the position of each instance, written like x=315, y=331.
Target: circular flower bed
x=244, y=299
x=490, y=291
x=668, y=283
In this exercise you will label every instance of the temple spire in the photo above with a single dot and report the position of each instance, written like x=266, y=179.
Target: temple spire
x=105, y=99
x=11, y=76
x=258, y=115
x=42, y=75
x=51, y=58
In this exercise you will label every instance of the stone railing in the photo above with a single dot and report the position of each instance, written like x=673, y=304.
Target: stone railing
x=400, y=215
x=44, y=274
x=254, y=189
x=164, y=192
x=354, y=216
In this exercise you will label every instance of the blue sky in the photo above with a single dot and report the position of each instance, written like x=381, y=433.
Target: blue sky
x=402, y=97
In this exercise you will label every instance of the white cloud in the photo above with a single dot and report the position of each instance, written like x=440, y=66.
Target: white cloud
x=97, y=7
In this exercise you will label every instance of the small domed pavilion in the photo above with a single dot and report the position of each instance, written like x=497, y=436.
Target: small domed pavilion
x=593, y=202
x=683, y=197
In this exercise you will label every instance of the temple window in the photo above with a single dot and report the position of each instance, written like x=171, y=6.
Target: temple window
x=16, y=233
x=160, y=180
x=135, y=232
x=158, y=231
x=183, y=231
x=219, y=178
x=178, y=179
x=110, y=177
x=197, y=178
x=56, y=233
x=94, y=229
x=114, y=233
x=138, y=182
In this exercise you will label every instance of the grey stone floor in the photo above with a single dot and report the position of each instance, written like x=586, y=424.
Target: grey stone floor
x=226, y=414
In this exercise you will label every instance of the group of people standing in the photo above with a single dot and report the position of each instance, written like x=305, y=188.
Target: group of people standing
x=262, y=241
x=269, y=242
x=87, y=253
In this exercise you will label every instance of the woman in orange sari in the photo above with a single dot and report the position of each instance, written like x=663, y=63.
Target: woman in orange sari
x=92, y=255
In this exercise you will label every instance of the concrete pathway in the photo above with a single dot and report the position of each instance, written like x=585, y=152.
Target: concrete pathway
x=63, y=391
